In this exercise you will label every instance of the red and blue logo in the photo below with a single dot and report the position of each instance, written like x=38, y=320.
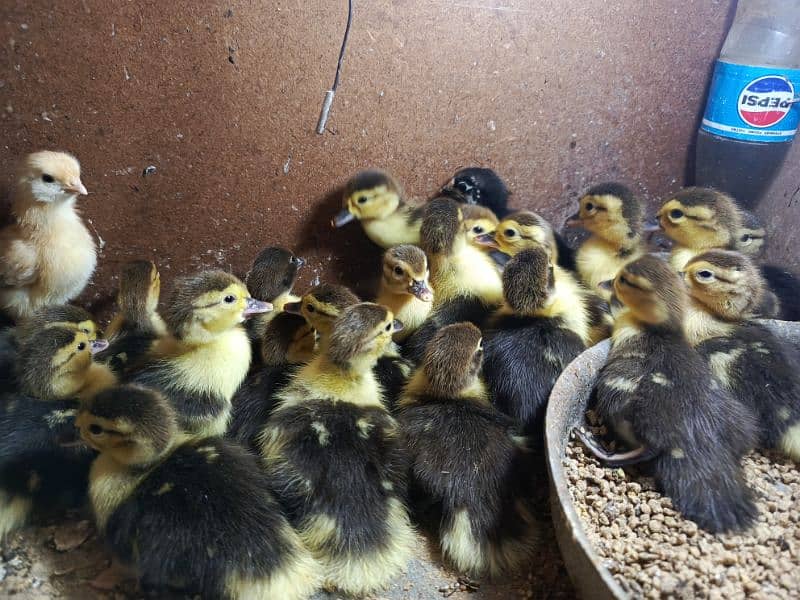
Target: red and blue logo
x=765, y=101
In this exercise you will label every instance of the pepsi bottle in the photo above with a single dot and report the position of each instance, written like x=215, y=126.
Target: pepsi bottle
x=752, y=111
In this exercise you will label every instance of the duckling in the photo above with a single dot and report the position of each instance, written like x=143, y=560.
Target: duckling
x=404, y=287
x=529, y=341
x=195, y=515
x=137, y=325
x=270, y=279
x=478, y=221
x=375, y=199
x=752, y=239
x=481, y=186
x=48, y=255
x=590, y=317
x=323, y=305
x=39, y=468
x=754, y=365
x=658, y=394
x=334, y=455
x=467, y=282
x=288, y=341
x=200, y=365
x=699, y=219
x=613, y=215
x=468, y=458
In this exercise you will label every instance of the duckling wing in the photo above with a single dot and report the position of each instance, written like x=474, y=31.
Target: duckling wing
x=19, y=261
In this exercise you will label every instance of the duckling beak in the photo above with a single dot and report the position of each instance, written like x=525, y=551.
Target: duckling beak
x=96, y=346
x=487, y=239
x=292, y=308
x=397, y=325
x=499, y=258
x=421, y=290
x=607, y=285
x=573, y=221
x=343, y=217
x=254, y=307
x=76, y=187
x=297, y=260
x=651, y=225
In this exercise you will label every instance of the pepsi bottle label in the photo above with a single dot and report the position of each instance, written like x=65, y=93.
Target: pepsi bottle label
x=755, y=104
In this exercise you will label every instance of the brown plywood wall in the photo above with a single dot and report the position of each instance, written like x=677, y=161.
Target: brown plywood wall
x=223, y=97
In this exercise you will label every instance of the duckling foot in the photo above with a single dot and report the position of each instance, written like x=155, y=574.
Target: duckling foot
x=617, y=459
x=463, y=584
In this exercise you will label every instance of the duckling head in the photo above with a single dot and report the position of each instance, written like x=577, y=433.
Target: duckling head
x=322, y=305
x=477, y=185
x=453, y=359
x=701, y=219
x=521, y=231
x=528, y=281
x=405, y=271
x=727, y=284
x=478, y=221
x=209, y=303
x=652, y=292
x=53, y=362
x=50, y=178
x=274, y=272
x=611, y=212
x=441, y=226
x=361, y=335
x=65, y=315
x=371, y=194
x=133, y=424
x=287, y=339
x=139, y=288
x=752, y=238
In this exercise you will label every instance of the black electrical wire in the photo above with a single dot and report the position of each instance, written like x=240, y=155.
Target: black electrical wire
x=328, y=101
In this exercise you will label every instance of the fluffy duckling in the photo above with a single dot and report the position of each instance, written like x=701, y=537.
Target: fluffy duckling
x=529, y=340
x=270, y=279
x=404, y=287
x=200, y=365
x=752, y=239
x=195, y=515
x=48, y=255
x=524, y=230
x=613, y=215
x=699, y=219
x=478, y=221
x=334, y=454
x=288, y=341
x=467, y=458
x=658, y=394
x=137, y=325
x=757, y=367
x=376, y=200
x=38, y=471
x=481, y=186
x=467, y=282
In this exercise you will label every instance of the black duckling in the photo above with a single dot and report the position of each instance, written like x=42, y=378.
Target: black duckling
x=334, y=454
x=758, y=368
x=477, y=185
x=201, y=364
x=375, y=199
x=613, y=216
x=467, y=282
x=528, y=342
x=188, y=514
x=405, y=289
x=468, y=458
x=40, y=468
x=658, y=394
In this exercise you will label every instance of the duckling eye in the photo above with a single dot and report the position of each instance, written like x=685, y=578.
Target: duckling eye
x=704, y=275
x=362, y=200
x=589, y=206
x=388, y=327
x=82, y=346
x=95, y=429
x=85, y=330
x=310, y=307
x=477, y=229
x=229, y=299
x=463, y=186
x=509, y=233
x=746, y=239
x=624, y=281
x=398, y=271
x=675, y=214
x=47, y=178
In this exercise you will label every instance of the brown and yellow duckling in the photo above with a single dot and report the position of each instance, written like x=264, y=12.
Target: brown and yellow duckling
x=468, y=458
x=40, y=469
x=404, y=287
x=335, y=458
x=749, y=360
x=613, y=216
x=658, y=394
x=529, y=341
x=188, y=514
x=375, y=199
x=200, y=365
x=752, y=239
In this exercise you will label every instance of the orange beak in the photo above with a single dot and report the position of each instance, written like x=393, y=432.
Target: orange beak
x=76, y=187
